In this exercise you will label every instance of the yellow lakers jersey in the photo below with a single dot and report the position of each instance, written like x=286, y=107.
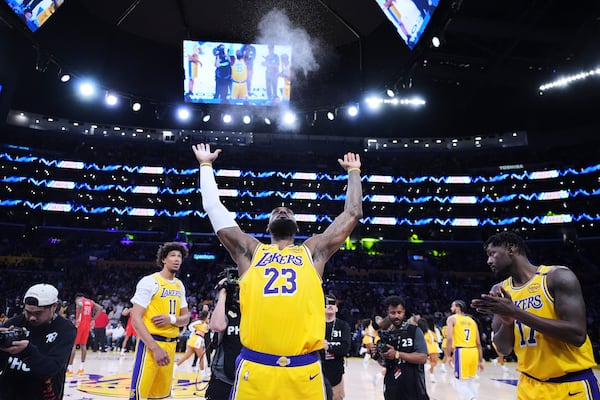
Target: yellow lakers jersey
x=444, y=332
x=370, y=335
x=282, y=302
x=539, y=355
x=167, y=300
x=465, y=331
x=201, y=329
x=239, y=72
x=194, y=64
x=287, y=83
x=432, y=342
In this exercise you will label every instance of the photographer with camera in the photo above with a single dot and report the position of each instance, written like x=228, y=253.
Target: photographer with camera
x=225, y=322
x=403, y=352
x=35, y=348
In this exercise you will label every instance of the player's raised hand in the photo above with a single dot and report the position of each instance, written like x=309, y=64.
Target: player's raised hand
x=351, y=160
x=203, y=153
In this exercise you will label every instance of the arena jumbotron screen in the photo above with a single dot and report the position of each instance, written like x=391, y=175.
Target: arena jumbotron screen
x=236, y=73
x=34, y=13
x=409, y=17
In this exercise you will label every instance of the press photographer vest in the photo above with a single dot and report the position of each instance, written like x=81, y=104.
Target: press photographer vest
x=405, y=342
x=409, y=377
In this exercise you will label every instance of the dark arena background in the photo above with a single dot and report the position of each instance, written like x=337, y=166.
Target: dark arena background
x=496, y=129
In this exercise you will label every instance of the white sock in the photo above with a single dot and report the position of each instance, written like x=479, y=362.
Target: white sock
x=465, y=388
x=70, y=368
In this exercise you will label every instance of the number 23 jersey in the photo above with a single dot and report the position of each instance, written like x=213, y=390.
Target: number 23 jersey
x=282, y=303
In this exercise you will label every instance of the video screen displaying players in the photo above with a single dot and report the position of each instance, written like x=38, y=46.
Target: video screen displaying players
x=410, y=17
x=236, y=73
x=34, y=13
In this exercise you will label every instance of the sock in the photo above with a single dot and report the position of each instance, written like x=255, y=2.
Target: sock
x=70, y=368
x=466, y=388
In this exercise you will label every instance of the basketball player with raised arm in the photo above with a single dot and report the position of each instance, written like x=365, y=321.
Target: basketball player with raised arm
x=282, y=326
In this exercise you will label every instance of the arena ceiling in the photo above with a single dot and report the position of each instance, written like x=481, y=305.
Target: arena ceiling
x=482, y=79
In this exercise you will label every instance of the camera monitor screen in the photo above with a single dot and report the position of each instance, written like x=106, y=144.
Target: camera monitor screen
x=34, y=13
x=410, y=17
x=237, y=73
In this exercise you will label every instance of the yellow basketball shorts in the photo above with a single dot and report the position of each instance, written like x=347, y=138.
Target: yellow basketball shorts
x=149, y=380
x=465, y=362
x=267, y=376
x=581, y=385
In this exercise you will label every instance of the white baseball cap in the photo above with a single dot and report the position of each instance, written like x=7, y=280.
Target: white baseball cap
x=40, y=295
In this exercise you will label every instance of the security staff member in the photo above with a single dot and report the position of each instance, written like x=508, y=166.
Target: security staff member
x=335, y=348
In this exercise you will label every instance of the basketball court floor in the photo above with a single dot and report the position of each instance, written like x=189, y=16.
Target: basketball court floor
x=108, y=375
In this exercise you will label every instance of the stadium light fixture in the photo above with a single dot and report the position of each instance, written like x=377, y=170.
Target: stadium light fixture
x=87, y=89
x=183, y=113
x=111, y=99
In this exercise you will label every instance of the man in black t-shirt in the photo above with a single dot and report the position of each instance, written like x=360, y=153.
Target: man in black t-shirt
x=34, y=367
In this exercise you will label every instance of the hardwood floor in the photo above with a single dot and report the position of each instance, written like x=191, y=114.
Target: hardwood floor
x=107, y=376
